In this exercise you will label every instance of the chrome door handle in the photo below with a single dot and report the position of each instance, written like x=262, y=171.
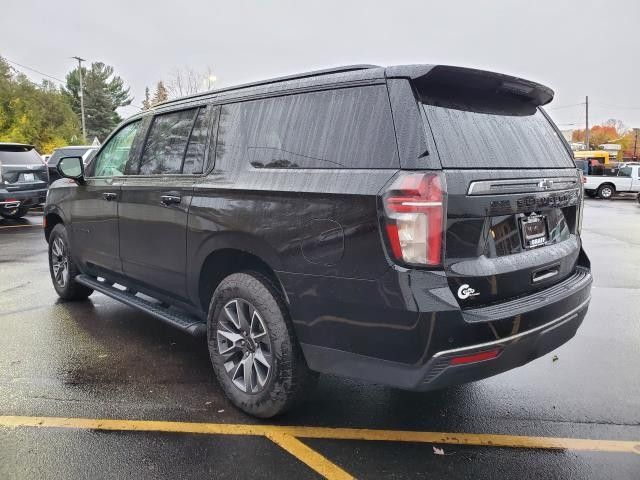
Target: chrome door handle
x=169, y=199
x=108, y=196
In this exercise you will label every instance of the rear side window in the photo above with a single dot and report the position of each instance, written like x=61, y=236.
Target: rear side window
x=343, y=128
x=16, y=155
x=470, y=139
x=166, y=142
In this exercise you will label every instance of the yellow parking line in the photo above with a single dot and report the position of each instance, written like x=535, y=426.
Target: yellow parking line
x=18, y=226
x=287, y=436
x=475, y=439
x=312, y=458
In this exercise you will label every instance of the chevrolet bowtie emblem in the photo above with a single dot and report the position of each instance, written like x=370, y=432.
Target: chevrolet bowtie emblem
x=545, y=184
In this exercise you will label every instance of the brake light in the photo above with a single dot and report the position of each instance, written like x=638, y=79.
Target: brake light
x=414, y=213
x=583, y=179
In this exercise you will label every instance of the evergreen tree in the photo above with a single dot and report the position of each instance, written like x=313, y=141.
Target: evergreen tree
x=104, y=93
x=146, y=103
x=161, y=94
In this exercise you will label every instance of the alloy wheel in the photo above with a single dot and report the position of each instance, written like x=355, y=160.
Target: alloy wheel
x=60, y=262
x=244, y=344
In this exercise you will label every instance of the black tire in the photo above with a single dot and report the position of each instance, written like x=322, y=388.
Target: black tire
x=606, y=191
x=65, y=283
x=288, y=376
x=15, y=214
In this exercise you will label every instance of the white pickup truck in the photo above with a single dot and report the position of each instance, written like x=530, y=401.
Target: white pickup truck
x=625, y=179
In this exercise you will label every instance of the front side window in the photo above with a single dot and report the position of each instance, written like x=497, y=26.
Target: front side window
x=624, y=172
x=166, y=143
x=113, y=158
x=341, y=128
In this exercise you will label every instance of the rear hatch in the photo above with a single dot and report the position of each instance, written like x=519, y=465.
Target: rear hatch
x=22, y=168
x=513, y=192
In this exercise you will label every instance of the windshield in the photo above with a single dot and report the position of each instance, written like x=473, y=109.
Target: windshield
x=471, y=139
x=19, y=156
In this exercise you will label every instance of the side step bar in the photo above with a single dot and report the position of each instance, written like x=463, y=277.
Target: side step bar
x=181, y=320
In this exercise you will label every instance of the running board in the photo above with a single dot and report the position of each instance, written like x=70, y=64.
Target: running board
x=181, y=320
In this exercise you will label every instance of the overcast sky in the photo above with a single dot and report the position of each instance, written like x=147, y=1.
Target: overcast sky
x=576, y=47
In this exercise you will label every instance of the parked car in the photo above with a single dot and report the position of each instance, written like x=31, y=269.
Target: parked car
x=58, y=153
x=23, y=179
x=606, y=182
x=414, y=226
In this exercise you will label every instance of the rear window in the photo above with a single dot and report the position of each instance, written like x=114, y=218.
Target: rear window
x=341, y=128
x=10, y=155
x=519, y=139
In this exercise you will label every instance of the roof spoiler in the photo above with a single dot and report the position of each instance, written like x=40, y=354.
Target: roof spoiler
x=16, y=147
x=437, y=77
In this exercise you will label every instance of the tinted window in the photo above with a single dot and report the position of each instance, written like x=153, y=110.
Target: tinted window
x=344, y=128
x=113, y=158
x=194, y=158
x=166, y=143
x=471, y=139
x=19, y=156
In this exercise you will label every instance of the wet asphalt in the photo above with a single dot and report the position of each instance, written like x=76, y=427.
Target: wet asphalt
x=101, y=359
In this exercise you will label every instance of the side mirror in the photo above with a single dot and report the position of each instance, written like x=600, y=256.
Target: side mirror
x=71, y=167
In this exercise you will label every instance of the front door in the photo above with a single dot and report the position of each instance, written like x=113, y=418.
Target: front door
x=154, y=204
x=94, y=210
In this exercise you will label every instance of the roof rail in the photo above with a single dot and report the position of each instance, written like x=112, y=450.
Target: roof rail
x=315, y=73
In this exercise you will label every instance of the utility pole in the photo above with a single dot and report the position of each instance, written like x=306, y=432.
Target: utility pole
x=84, y=128
x=586, y=116
x=635, y=144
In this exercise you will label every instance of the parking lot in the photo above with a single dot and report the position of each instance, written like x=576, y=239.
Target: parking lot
x=99, y=390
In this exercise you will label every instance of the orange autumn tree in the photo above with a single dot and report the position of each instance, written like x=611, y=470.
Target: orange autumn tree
x=598, y=134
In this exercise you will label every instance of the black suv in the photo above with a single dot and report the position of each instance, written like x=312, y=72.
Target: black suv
x=23, y=179
x=416, y=226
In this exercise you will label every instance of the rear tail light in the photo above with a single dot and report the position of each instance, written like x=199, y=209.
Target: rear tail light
x=583, y=180
x=414, y=214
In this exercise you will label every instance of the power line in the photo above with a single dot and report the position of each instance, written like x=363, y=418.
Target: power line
x=63, y=82
x=616, y=106
x=565, y=106
x=36, y=71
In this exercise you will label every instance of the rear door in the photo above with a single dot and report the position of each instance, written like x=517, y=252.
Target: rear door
x=155, y=202
x=513, y=189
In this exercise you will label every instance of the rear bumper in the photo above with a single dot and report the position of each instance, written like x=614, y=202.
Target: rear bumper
x=565, y=305
x=22, y=198
x=514, y=351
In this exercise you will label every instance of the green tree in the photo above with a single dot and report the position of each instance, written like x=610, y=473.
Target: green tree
x=35, y=114
x=146, y=103
x=104, y=93
x=160, y=95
